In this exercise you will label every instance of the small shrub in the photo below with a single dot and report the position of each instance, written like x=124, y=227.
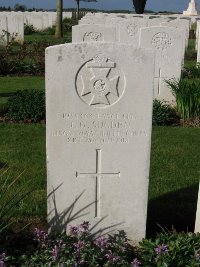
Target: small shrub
x=190, y=55
x=81, y=248
x=187, y=94
x=27, y=106
x=47, y=31
x=23, y=59
x=68, y=23
x=29, y=29
x=163, y=114
x=178, y=250
x=191, y=72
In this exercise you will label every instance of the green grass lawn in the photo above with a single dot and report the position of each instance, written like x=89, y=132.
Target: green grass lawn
x=48, y=38
x=22, y=149
x=10, y=85
x=190, y=54
x=174, y=178
x=174, y=175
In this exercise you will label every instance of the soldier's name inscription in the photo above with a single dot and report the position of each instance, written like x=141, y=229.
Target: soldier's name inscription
x=99, y=128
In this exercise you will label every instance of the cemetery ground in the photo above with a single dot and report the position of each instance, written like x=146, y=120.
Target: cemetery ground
x=174, y=170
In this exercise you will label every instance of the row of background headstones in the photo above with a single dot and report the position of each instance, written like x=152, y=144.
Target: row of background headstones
x=118, y=32
x=12, y=23
x=139, y=31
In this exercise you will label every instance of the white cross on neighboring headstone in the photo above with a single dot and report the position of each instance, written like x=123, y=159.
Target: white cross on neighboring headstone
x=98, y=175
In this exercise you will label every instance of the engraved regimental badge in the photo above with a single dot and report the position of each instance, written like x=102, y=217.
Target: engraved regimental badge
x=161, y=41
x=100, y=83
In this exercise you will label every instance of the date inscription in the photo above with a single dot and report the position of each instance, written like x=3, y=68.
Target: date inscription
x=98, y=128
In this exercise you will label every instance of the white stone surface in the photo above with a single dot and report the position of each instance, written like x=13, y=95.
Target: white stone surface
x=197, y=34
x=93, y=33
x=192, y=9
x=35, y=19
x=43, y=20
x=99, y=116
x=183, y=26
x=197, y=223
x=16, y=27
x=129, y=30
x=197, y=45
x=3, y=30
x=167, y=43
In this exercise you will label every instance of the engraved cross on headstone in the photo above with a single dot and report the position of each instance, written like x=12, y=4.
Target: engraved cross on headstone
x=98, y=175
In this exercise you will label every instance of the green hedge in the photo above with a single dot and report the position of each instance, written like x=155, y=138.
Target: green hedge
x=27, y=106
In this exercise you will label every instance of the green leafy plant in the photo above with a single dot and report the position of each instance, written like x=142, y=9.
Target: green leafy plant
x=29, y=29
x=191, y=72
x=171, y=249
x=164, y=114
x=187, y=94
x=23, y=59
x=68, y=23
x=47, y=31
x=190, y=55
x=79, y=247
x=27, y=106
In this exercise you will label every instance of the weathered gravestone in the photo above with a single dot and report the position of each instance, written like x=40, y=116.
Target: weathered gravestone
x=16, y=27
x=197, y=224
x=99, y=115
x=3, y=30
x=93, y=33
x=129, y=30
x=167, y=43
x=35, y=19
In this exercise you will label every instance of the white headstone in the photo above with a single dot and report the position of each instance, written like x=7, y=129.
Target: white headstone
x=16, y=27
x=3, y=30
x=167, y=43
x=35, y=19
x=46, y=22
x=99, y=115
x=93, y=33
x=129, y=30
x=197, y=223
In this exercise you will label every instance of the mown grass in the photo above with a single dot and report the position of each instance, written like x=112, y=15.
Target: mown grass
x=190, y=53
x=174, y=174
x=22, y=149
x=47, y=37
x=10, y=85
x=174, y=178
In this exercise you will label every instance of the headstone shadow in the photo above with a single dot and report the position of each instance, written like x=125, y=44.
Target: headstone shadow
x=61, y=221
x=173, y=211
